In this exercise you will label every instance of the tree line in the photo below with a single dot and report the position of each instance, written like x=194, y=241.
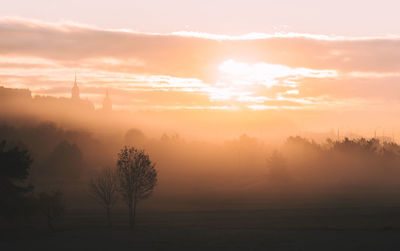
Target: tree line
x=132, y=180
x=299, y=163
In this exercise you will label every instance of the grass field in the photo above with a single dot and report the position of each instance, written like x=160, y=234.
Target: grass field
x=273, y=229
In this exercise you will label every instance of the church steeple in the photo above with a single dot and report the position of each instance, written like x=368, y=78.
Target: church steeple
x=75, y=91
x=107, y=105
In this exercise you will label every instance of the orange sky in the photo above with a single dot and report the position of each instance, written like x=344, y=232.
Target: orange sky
x=290, y=58
x=193, y=70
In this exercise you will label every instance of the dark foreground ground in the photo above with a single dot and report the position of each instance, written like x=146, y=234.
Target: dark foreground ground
x=274, y=229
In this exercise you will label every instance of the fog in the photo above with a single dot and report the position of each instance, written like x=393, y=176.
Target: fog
x=205, y=159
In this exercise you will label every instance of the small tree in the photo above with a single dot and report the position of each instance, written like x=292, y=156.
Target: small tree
x=52, y=206
x=104, y=189
x=137, y=178
x=15, y=163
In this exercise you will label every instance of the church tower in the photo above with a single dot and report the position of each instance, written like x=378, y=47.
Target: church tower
x=107, y=105
x=75, y=91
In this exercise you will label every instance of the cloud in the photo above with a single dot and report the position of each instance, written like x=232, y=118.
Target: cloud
x=181, y=55
x=296, y=69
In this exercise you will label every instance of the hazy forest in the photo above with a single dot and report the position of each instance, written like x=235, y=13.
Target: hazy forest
x=57, y=179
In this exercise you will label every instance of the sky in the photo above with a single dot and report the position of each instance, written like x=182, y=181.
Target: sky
x=218, y=55
x=350, y=18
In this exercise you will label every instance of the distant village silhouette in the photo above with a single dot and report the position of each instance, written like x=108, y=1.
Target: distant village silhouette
x=11, y=98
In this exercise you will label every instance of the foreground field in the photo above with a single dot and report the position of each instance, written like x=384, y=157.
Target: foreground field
x=274, y=229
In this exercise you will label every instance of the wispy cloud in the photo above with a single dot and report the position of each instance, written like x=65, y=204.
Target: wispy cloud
x=189, y=69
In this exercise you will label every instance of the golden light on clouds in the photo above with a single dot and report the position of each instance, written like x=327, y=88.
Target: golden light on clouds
x=239, y=85
x=191, y=70
x=250, y=84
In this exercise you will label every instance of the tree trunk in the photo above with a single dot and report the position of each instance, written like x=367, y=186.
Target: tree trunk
x=134, y=211
x=108, y=216
x=131, y=218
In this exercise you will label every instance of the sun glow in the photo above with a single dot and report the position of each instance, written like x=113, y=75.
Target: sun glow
x=268, y=74
x=252, y=85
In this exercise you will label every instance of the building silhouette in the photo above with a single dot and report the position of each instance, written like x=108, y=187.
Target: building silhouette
x=75, y=91
x=107, y=105
x=42, y=104
x=76, y=102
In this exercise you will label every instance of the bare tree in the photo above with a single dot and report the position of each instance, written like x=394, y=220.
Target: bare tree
x=52, y=205
x=104, y=189
x=137, y=178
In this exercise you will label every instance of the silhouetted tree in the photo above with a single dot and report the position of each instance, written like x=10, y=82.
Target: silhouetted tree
x=137, y=178
x=104, y=189
x=15, y=163
x=134, y=136
x=52, y=206
x=66, y=161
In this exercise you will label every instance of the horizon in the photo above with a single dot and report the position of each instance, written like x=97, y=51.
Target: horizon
x=315, y=82
x=189, y=70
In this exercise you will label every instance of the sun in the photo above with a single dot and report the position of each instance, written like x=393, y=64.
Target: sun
x=245, y=74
